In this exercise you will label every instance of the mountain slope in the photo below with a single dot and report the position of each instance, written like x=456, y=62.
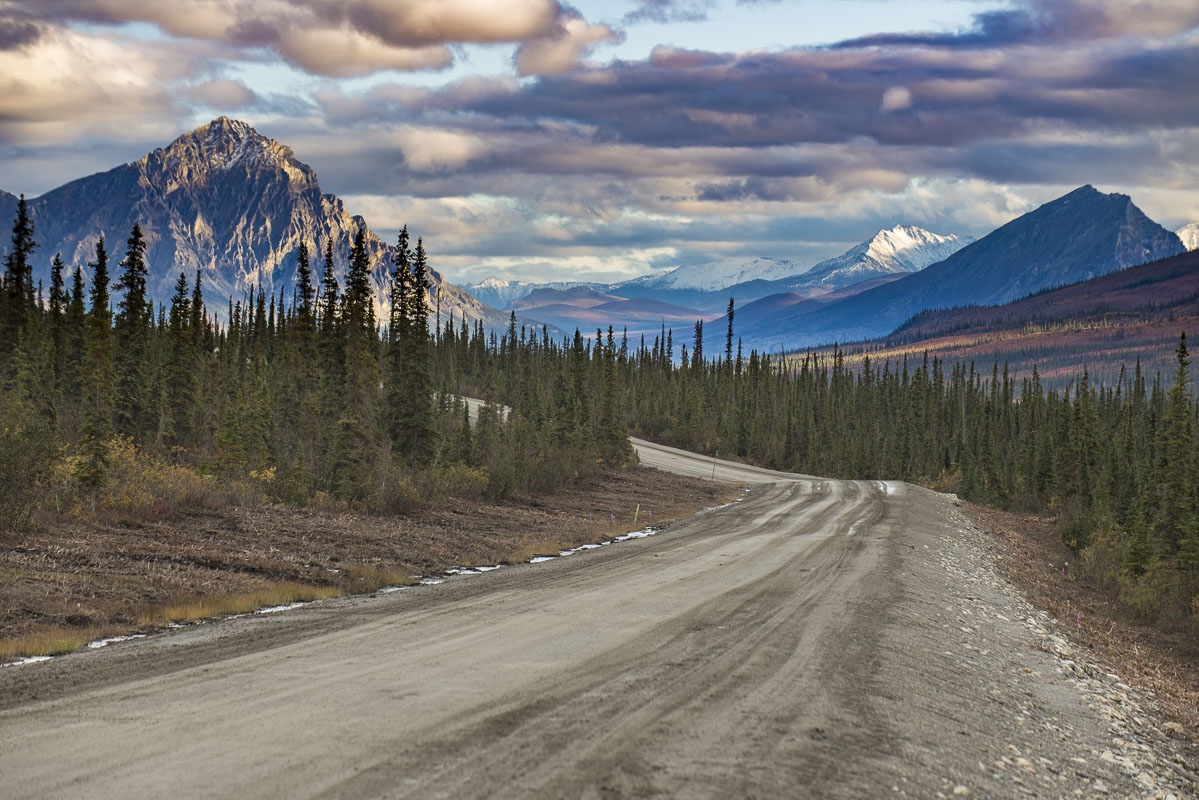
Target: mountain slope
x=1103, y=324
x=226, y=201
x=1081, y=235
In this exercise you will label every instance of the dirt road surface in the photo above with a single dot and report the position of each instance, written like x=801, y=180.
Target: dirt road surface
x=815, y=639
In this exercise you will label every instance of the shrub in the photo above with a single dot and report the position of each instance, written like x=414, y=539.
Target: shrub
x=26, y=454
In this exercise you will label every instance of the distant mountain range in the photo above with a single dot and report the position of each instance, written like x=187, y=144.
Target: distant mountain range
x=1103, y=325
x=1081, y=235
x=226, y=201
x=701, y=291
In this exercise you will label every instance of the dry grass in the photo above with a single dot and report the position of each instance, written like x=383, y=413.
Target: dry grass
x=75, y=579
x=53, y=641
x=226, y=605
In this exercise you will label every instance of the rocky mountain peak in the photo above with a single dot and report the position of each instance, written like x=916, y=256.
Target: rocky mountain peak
x=220, y=146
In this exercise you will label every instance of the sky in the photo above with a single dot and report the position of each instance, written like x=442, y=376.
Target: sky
x=536, y=140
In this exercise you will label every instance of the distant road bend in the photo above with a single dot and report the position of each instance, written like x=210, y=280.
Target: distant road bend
x=818, y=638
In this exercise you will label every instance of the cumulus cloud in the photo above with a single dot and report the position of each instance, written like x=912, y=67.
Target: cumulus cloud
x=341, y=38
x=561, y=50
x=64, y=84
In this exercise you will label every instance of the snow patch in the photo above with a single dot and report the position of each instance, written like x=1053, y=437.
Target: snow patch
x=277, y=609
x=96, y=645
x=28, y=660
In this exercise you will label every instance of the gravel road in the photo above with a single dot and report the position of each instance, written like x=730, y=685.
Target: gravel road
x=815, y=639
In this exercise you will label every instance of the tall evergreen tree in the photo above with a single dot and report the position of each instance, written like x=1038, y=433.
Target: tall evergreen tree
x=19, y=305
x=131, y=331
x=98, y=379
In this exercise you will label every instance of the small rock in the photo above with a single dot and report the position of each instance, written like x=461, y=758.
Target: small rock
x=1173, y=728
x=960, y=791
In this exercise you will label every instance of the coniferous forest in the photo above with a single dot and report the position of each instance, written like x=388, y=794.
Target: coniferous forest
x=109, y=402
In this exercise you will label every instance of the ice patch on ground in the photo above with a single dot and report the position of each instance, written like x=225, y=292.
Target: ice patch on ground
x=540, y=559
x=277, y=609
x=641, y=534
x=431, y=581
x=96, y=645
x=20, y=662
x=390, y=589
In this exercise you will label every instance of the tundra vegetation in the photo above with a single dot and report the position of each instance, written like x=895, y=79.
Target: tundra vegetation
x=312, y=400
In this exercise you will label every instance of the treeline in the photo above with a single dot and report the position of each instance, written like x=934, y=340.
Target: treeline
x=1117, y=464
x=317, y=399
x=303, y=402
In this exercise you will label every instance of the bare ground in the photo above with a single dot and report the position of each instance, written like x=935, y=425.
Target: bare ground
x=1162, y=660
x=106, y=578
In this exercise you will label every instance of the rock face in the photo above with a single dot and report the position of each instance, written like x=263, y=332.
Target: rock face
x=223, y=200
x=1079, y=236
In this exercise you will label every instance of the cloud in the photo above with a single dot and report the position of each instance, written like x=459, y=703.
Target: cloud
x=340, y=38
x=561, y=50
x=223, y=94
x=897, y=98
x=63, y=85
x=1047, y=21
x=664, y=11
x=16, y=33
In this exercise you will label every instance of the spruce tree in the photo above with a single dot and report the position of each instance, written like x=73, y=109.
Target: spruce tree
x=131, y=331
x=1175, y=528
x=18, y=275
x=98, y=380
x=355, y=442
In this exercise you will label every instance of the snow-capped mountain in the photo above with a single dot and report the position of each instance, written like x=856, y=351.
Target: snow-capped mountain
x=712, y=276
x=1189, y=234
x=904, y=248
x=503, y=293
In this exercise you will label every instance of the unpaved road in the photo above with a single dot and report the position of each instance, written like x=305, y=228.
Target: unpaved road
x=816, y=639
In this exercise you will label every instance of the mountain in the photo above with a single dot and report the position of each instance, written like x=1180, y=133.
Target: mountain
x=711, y=276
x=1189, y=235
x=585, y=308
x=226, y=201
x=1081, y=235
x=1103, y=324
x=902, y=249
x=503, y=293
